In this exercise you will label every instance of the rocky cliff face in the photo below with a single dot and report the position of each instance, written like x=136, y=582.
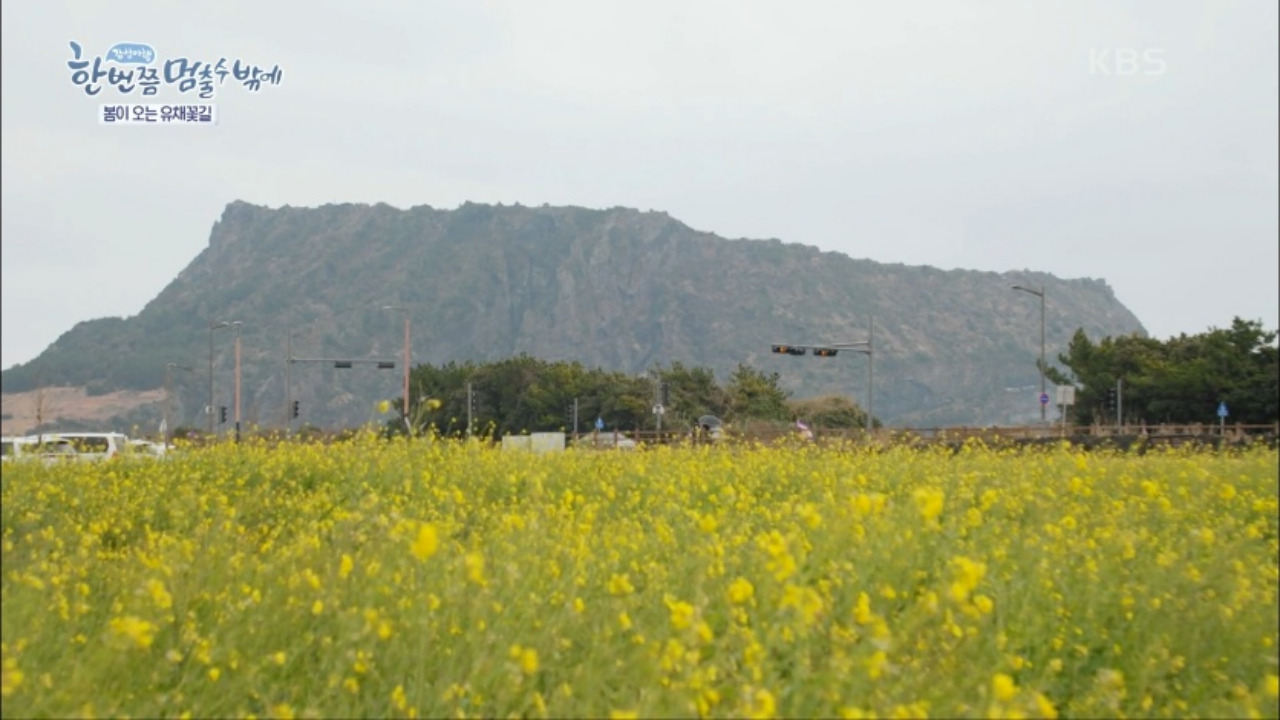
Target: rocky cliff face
x=616, y=288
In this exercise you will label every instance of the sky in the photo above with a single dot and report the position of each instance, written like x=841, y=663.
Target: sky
x=1132, y=142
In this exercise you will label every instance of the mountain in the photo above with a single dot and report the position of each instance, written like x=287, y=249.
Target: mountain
x=618, y=289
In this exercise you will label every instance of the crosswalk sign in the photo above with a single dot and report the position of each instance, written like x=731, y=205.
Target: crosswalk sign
x=599, y=423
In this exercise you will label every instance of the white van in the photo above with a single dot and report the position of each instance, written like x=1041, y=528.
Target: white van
x=15, y=447
x=46, y=447
x=93, y=446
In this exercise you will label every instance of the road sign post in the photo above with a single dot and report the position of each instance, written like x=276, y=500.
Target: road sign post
x=1222, y=418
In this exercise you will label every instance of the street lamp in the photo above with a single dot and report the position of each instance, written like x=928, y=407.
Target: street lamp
x=168, y=398
x=1040, y=294
x=209, y=408
x=405, y=409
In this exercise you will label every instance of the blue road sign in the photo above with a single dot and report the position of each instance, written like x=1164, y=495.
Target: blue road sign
x=599, y=423
x=1044, y=398
x=1222, y=409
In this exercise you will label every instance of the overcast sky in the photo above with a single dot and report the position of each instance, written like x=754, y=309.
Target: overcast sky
x=1133, y=142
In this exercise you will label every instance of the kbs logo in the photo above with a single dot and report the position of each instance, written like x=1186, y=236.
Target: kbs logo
x=1125, y=62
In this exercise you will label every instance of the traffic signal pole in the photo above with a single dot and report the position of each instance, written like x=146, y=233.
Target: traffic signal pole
x=830, y=349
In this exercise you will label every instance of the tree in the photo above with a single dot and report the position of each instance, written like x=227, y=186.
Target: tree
x=753, y=394
x=1181, y=380
x=831, y=411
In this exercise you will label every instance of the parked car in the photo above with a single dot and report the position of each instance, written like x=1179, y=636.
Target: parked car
x=710, y=428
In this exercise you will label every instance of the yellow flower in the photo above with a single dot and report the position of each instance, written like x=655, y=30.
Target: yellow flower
x=620, y=585
x=762, y=704
x=876, y=663
x=681, y=613
x=11, y=677
x=526, y=659
x=474, y=563
x=930, y=503
x=1003, y=687
x=159, y=595
x=1045, y=707
x=740, y=591
x=426, y=544
x=398, y=699
x=862, y=611
x=136, y=630
x=384, y=406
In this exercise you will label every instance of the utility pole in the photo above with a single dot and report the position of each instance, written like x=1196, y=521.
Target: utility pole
x=209, y=408
x=871, y=374
x=288, y=384
x=470, y=400
x=658, y=409
x=168, y=399
x=575, y=417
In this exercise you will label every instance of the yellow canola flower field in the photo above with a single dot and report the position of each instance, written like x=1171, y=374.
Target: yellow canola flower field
x=437, y=579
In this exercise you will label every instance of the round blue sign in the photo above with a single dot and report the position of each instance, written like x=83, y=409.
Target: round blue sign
x=1044, y=398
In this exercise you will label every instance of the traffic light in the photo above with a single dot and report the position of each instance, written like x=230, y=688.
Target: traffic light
x=824, y=352
x=295, y=408
x=664, y=394
x=1111, y=399
x=386, y=365
x=222, y=413
x=788, y=349
x=342, y=364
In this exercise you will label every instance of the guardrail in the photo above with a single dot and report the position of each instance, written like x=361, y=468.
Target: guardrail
x=1156, y=434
